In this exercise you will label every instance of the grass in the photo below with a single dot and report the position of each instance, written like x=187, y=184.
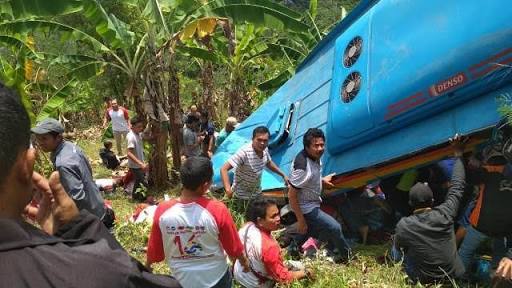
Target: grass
x=364, y=271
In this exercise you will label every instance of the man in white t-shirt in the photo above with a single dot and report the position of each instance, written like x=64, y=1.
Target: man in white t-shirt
x=194, y=233
x=249, y=162
x=120, y=123
x=135, y=155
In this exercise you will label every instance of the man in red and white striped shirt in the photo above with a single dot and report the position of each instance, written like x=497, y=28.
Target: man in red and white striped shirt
x=120, y=124
x=264, y=254
x=192, y=232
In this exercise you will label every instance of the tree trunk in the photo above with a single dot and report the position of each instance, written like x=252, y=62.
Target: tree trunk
x=155, y=106
x=174, y=104
x=132, y=95
x=207, y=101
x=240, y=105
x=158, y=174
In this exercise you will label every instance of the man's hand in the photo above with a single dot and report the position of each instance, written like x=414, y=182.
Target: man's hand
x=56, y=208
x=286, y=180
x=458, y=143
x=309, y=273
x=302, y=227
x=144, y=167
x=245, y=263
x=229, y=193
x=505, y=268
x=327, y=181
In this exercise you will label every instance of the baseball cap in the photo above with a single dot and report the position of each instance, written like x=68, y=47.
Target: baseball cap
x=420, y=193
x=494, y=155
x=48, y=125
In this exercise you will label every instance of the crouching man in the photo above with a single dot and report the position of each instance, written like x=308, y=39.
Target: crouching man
x=263, y=251
x=427, y=237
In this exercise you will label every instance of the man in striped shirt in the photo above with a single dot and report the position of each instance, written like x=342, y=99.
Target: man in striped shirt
x=249, y=162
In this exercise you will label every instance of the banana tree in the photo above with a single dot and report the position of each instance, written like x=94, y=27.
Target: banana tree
x=179, y=21
x=113, y=41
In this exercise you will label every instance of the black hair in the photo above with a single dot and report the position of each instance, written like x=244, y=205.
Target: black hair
x=204, y=114
x=258, y=209
x=195, y=172
x=191, y=119
x=14, y=130
x=260, y=130
x=311, y=134
x=136, y=119
x=107, y=144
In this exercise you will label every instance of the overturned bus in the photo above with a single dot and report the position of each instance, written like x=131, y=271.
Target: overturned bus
x=388, y=86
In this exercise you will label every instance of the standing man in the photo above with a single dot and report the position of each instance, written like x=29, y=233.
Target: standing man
x=194, y=233
x=249, y=162
x=306, y=184
x=191, y=140
x=73, y=167
x=135, y=155
x=120, y=123
x=208, y=131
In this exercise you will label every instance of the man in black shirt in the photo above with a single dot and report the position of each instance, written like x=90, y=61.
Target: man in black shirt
x=108, y=157
x=72, y=248
x=427, y=237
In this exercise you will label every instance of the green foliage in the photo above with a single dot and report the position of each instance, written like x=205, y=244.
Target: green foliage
x=57, y=101
x=16, y=9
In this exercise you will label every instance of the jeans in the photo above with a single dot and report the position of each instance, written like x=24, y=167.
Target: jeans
x=397, y=255
x=140, y=178
x=326, y=229
x=226, y=281
x=473, y=240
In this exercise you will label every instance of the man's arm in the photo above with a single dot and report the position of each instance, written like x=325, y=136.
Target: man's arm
x=126, y=117
x=273, y=262
x=450, y=206
x=302, y=227
x=131, y=155
x=106, y=118
x=273, y=167
x=225, y=178
x=211, y=144
x=72, y=182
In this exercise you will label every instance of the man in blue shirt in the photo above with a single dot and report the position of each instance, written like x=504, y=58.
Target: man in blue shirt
x=73, y=167
x=208, y=131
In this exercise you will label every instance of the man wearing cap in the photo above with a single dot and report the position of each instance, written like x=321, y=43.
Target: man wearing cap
x=427, y=237
x=73, y=167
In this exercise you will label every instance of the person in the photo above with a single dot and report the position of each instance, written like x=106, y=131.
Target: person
x=491, y=217
x=306, y=184
x=74, y=168
x=118, y=115
x=108, y=158
x=135, y=155
x=231, y=124
x=193, y=232
x=69, y=246
x=208, y=132
x=427, y=237
x=193, y=111
x=263, y=251
x=249, y=162
x=191, y=140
